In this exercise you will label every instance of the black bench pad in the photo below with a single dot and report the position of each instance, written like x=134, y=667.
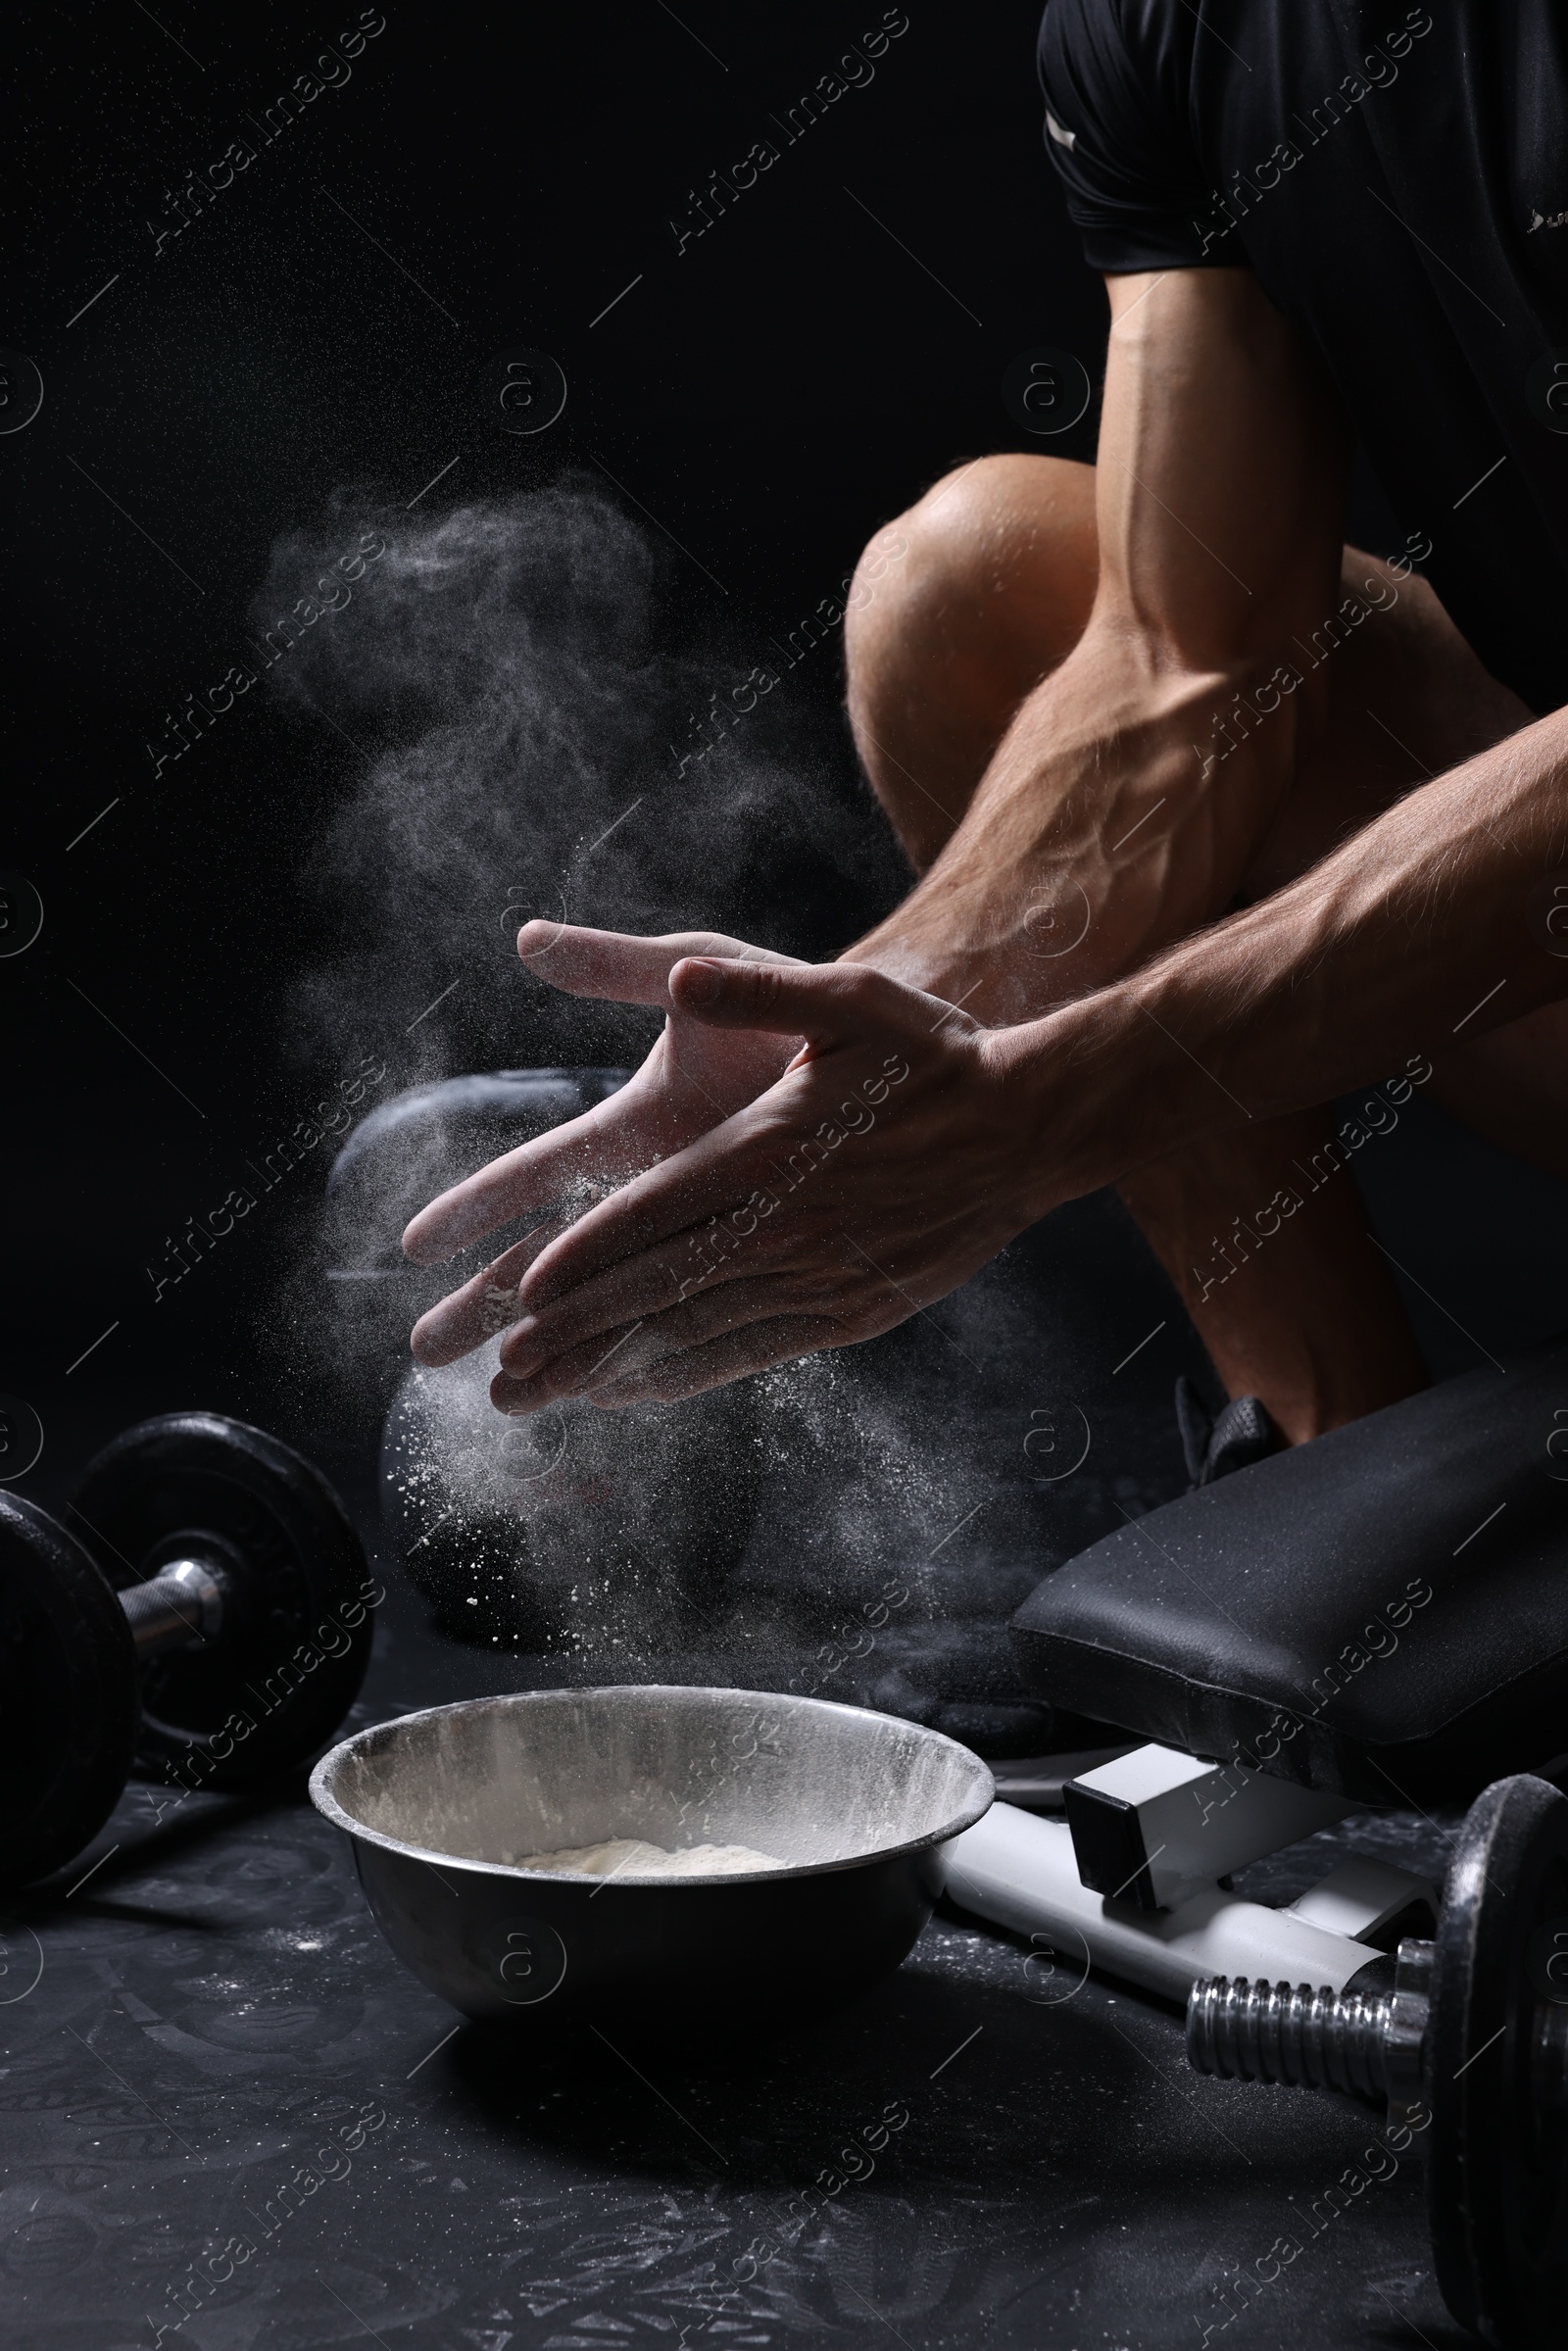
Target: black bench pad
x=1381, y=1614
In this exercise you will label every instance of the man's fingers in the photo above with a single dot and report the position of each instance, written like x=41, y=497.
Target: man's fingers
x=827, y=1003
x=658, y=1282
x=481, y=1307
x=742, y=1171
x=708, y=1177
x=601, y=1147
x=614, y=964
x=579, y=1370
x=586, y=963
x=756, y=1347
x=565, y=1375
x=629, y=1353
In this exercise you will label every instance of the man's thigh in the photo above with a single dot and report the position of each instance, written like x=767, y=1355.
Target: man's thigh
x=1405, y=698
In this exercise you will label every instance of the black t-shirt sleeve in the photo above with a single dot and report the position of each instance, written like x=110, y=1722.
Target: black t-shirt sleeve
x=1117, y=77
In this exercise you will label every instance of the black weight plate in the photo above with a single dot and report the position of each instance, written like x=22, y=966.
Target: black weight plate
x=1497, y=2177
x=285, y=1668
x=67, y=1695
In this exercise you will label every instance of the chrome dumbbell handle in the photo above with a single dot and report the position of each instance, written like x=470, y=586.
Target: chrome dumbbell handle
x=1370, y=2045
x=1367, y=2043
x=181, y=1607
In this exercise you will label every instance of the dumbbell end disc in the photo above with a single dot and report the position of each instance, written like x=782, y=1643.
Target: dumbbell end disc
x=1498, y=2172
x=254, y=1705
x=67, y=1695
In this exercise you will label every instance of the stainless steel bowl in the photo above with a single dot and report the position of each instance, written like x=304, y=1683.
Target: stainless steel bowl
x=855, y=1805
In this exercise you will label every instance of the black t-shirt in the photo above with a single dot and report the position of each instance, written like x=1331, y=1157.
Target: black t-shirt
x=1397, y=177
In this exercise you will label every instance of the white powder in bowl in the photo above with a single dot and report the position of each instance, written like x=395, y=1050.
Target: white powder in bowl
x=632, y=1857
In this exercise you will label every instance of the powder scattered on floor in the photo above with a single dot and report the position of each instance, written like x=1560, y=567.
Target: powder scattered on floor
x=633, y=1857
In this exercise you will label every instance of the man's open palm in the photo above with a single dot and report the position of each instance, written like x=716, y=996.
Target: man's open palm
x=696, y=1076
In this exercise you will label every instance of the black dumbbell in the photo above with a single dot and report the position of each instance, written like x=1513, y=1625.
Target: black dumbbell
x=203, y=1617
x=1473, y=2030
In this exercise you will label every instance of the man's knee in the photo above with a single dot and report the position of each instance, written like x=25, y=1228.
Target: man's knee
x=987, y=543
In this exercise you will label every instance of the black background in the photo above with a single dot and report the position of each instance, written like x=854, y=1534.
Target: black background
x=770, y=393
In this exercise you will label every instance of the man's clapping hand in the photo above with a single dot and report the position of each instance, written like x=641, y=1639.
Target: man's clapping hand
x=783, y=1196
x=694, y=1078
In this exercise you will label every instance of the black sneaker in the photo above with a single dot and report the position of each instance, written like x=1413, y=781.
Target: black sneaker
x=1215, y=1444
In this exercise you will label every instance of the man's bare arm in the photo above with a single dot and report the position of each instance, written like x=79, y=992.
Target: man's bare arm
x=1440, y=921
x=1435, y=920
x=1113, y=807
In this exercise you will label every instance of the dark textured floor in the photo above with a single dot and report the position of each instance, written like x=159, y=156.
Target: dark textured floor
x=214, y=2069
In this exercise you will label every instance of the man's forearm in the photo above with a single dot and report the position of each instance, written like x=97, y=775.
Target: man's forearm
x=1104, y=828
x=1435, y=922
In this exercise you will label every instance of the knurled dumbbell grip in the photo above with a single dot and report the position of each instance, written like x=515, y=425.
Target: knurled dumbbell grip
x=1366, y=2044
x=181, y=1607
x=1294, y=2033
